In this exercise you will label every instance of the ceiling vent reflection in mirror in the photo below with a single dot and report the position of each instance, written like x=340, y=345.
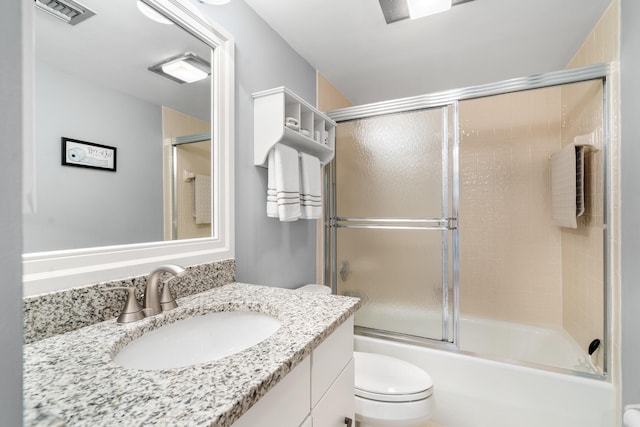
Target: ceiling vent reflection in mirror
x=68, y=11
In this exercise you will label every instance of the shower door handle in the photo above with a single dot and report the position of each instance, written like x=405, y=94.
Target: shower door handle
x=345, y=270
x=396, y=223
x=452, y=223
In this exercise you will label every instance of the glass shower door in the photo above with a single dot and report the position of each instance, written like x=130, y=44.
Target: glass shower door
x=393, y=222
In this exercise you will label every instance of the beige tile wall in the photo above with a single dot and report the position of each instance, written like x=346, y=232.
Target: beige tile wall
x=510, y=252
x=328, y=96
x=174, y=124
x=582, y=248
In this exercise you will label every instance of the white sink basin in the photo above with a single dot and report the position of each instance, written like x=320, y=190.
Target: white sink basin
x=197, y=340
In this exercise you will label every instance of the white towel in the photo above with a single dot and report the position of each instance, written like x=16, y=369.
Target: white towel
x=272, y=195
x=567, y=181
x=310, y=187
x=283, y=186
x=202, y=199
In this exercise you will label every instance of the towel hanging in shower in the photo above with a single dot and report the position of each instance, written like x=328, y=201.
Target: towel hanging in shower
x=567, y=182
x=202, y=199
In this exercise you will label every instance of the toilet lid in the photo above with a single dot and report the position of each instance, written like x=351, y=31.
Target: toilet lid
x=387, y=379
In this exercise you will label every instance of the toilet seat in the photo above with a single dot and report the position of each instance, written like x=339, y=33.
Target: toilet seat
x=387, y=379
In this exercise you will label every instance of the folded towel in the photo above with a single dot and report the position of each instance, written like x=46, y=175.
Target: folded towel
x=202, y=199
x=272, y=195
x=310, y=187
x=283, y=185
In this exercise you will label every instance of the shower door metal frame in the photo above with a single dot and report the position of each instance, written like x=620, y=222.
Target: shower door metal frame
x=444, y=223
x=601, y=72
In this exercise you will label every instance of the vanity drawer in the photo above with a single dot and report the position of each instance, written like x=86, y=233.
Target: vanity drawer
x=338, y=404
x=330, y=358
x=285, y=405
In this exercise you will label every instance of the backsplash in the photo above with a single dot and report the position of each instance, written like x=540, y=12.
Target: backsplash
x=63, y=311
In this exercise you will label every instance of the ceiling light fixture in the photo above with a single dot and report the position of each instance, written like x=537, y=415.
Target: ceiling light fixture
x=215, y=2
x=399, y=10
x=152, y=14
x=422, y=8
x=184, y=68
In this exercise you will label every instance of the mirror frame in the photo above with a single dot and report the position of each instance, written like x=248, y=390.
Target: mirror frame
x=57, y=270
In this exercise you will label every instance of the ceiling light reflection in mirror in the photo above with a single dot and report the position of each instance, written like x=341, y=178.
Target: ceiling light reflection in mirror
x=92, y=83
x=422, y=8
x=152, y=14
x=215, y=2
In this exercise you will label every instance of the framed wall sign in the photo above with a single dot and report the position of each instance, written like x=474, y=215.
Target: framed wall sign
x=88, y=155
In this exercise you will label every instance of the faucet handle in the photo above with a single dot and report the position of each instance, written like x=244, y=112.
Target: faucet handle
x=131, y=310
x=167, y=301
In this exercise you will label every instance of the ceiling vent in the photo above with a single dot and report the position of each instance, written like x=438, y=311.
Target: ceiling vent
x=68, y=11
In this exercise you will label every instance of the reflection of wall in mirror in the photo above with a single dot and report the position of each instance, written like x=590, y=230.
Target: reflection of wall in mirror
x=195, y=158
x=79, y=207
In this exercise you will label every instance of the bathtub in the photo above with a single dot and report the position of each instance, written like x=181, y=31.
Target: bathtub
x=547, y=346
x=472, y=391
x=541, y=345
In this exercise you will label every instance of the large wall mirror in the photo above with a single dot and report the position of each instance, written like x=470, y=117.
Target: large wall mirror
x=133, y=122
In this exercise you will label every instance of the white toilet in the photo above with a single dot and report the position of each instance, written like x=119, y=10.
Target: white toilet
x=389, y=392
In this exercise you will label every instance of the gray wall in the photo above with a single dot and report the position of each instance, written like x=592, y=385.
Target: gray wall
x=267, y=251
x=10, y=214
x=79, y=207
x=630, y=159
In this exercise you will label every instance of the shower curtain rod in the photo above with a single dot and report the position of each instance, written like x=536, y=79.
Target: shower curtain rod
x=190, y=139
x=438, y=99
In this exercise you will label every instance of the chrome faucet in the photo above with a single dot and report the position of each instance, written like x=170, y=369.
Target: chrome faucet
x=153, y=304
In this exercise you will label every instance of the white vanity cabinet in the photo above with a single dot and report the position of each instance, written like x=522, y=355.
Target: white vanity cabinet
x=314, y=132
x=316, y=393
x=332, y=380
x=336, y=407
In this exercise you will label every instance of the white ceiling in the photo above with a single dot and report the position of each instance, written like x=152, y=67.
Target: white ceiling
x=479, y=42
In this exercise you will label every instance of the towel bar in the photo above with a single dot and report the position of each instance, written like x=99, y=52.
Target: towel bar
x=188, y=176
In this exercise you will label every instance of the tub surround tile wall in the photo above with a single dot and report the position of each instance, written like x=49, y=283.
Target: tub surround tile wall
x=582, y=274
x=60, y=312
x=510, y=252
x=582, y=248
x=84, y=386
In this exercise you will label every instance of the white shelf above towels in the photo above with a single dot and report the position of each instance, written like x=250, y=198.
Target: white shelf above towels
x=271, y=108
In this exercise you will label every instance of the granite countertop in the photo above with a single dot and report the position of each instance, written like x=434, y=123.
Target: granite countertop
x=72, y=377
